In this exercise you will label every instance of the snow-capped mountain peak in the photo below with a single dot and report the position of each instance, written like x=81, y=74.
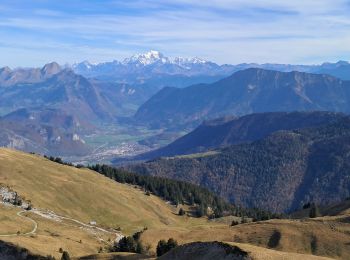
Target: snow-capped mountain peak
x=185, y=61
x=146, y=63
x=83, y=65
x=147, y=58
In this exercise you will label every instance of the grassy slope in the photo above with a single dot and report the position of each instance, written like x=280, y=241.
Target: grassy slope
x=83, y=195
x=326, y=236
x=52, y=235
x=11, y=223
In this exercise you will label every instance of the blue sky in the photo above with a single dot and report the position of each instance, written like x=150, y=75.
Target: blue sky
x=35, y=32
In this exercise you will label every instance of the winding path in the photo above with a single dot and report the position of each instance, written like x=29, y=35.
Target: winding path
x=19, y=213
x=52, y=216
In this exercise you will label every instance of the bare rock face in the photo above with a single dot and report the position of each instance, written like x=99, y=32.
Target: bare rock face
x=13, y=77
x=7, y=195
x=50, y=69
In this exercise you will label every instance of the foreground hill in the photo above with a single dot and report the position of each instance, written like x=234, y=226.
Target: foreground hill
x=280, y=172
x=231, y=251
x=81, y=195
x=227, y=131
x=245, y=92
x=66, y=199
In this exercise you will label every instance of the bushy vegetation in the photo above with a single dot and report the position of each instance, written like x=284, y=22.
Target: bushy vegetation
x=65, y=256
x=182, y=212
x=314, y=211
x=165, y=246
x=131, y=244
x=58, y=160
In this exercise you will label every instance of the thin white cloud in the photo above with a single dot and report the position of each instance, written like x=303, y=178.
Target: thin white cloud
x=224, y=31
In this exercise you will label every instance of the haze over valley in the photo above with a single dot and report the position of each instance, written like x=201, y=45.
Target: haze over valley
x=174, y=130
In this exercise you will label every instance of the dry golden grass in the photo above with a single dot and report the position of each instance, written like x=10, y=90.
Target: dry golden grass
x=85, y=195
x=260, y=253
x=11, y=223
x=322, y=237
x=52, y=235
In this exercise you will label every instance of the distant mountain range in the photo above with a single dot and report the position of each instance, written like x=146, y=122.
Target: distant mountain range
x=10, y=77
x=280, y=172
x=42, y=108
x=111, y=93
x=227, y=131
x=244, y=92
x=45, y=131
x=180, y=72
x=56, y=87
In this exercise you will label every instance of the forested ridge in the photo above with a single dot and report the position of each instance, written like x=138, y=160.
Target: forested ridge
x=280, y=173
x=180, y=192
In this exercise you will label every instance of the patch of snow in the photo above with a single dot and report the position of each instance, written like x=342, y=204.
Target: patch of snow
x=251, y=87
x=131, y=91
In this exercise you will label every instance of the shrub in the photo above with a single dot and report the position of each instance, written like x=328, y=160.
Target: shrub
x=234, y=223
x=65, y=256
x=182, y=212
x=164, y=246
x=314, y=211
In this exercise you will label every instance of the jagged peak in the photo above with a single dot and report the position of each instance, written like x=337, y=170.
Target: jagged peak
x=147, y=58
x=51, y=69
x=144, y=59
x=5, y=69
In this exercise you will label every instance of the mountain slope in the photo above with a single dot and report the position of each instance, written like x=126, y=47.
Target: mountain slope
x=45, y=131
x=82, y=195
x=66, y=91
x=58, y=190
x=10, y=77
x=340, y=69
x=280, y=173
x=247, y=91
x=303, y=238
x=231, y=251
x=227, y=131
x=148, y=65
x=153, y=64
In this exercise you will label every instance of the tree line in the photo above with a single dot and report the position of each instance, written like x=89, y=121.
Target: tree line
x=178, y=192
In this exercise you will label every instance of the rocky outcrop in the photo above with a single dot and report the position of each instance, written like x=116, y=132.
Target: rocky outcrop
x=7, y=195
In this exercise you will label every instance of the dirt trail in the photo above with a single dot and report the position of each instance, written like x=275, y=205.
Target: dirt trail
x=24, y=234
x=53, y=216
x=58, y=218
